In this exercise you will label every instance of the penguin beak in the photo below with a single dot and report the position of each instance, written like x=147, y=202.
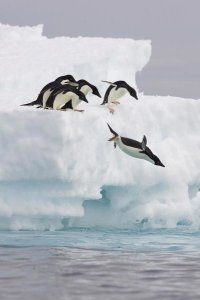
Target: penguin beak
x=97, y=93
x=160, y=164
x=85, y=100
x=134, y=96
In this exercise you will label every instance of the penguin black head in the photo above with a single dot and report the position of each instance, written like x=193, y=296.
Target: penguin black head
x=149, y=153
x=66, y=79
x=81, y=96
x=133, y=93
x=94, y=89
x=157, y=161
x=124, y=84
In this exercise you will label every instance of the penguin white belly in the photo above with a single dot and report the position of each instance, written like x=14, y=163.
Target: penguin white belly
x=116, y=94
x=75, y=102
x=45, y=97
x=61, y=99
x=85, y=89
x=134, y=152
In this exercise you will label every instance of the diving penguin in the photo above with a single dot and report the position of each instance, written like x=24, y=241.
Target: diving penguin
x=115, y=91
x=135, y=148
x=49, y=88
x=85, y=87
x=67, y=97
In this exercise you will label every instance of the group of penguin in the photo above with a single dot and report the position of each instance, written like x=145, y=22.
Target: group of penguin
x=66, y=93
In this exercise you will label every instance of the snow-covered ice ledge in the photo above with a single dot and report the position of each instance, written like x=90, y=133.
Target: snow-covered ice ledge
x=30, y=60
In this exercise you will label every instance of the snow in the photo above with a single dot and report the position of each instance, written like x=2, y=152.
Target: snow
x=53, y=162
x=29, y=61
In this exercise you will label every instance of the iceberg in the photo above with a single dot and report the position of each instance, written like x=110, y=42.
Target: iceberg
x=57, y=168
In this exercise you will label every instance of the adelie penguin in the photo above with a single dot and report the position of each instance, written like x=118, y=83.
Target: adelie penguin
x=85, y=87
x=49, y=88
x=135, y=148
x=115, y=91
x=68, y=97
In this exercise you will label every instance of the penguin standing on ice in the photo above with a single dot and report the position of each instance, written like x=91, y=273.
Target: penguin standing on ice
x=115, y=91
x=135, y=148
x=49, y=88
x=68, y=97
x=85, y=87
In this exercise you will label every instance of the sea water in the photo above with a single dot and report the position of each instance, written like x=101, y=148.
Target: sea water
x=95, y=263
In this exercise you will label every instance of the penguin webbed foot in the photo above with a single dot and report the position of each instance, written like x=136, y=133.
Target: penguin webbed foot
x=116, y=102
x=111, y=110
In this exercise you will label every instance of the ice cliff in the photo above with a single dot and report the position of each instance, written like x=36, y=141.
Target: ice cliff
x=57, y=169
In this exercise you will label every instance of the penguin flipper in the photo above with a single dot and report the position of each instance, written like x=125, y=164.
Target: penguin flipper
x=144, y=143
x=105, y=100
x=109, y=82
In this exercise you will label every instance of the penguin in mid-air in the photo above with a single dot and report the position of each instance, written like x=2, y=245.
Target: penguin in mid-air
x=67, y=97
x=49, y=88
x=135, y=148
x=85, y=87
x=115, y=91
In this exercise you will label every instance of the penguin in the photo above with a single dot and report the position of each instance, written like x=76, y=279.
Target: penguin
x=115, y=91
x=135, y=148
x=49, y=88
x=85, y=87
x=67, y=97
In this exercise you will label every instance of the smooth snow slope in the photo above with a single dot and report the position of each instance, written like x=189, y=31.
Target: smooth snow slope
x=58, y=166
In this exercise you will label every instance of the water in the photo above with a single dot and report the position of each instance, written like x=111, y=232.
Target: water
x=82, y=263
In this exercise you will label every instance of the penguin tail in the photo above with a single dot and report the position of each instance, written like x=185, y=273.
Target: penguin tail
x=113, y=132
x=31, y=103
